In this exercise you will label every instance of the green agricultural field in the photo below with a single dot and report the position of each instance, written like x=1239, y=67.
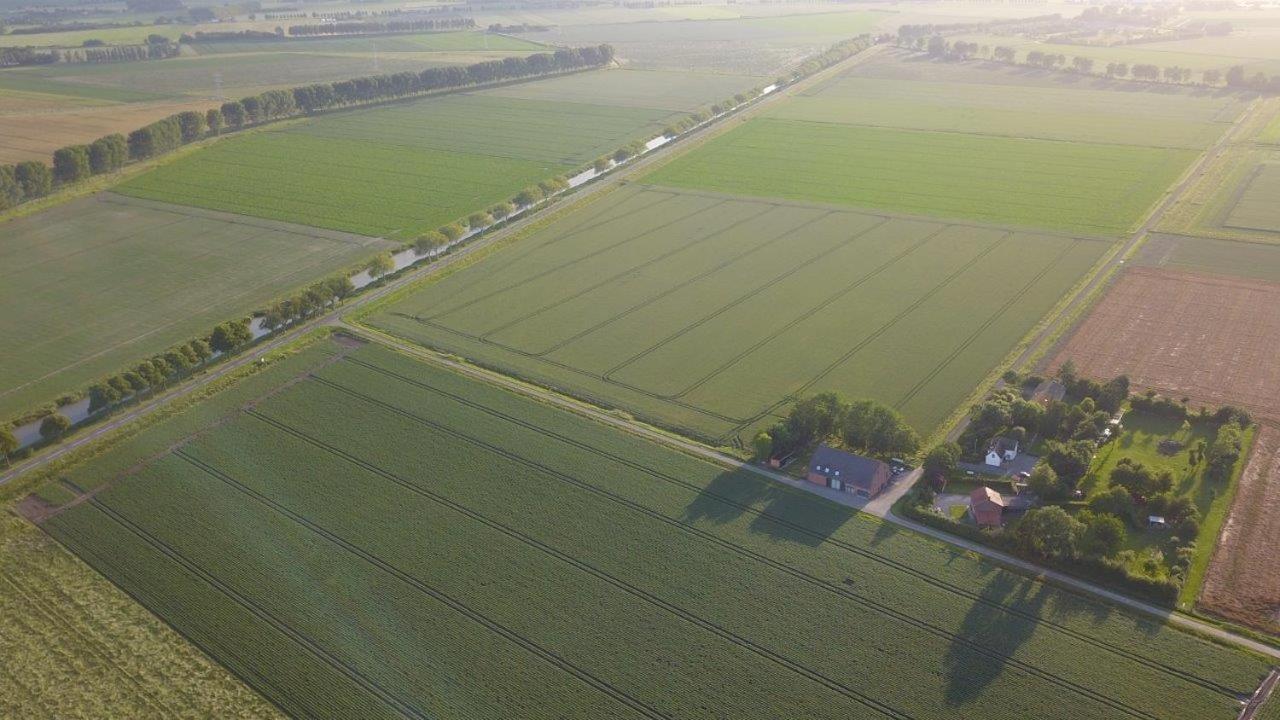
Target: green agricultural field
x=77, y=647
x=96, y=284
x=1077, y=187
x=422, y=42
x=387, y=539
x=1011, y=110
x=1256, y=206
x=674, y=91
x=1220, y=257
x=398, y=170
x=708, y=312
x=1181, y=53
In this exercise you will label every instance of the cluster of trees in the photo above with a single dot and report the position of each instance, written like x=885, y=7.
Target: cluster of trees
x=1235, y=77
x=1050, y=532
x=521, y=28
x=864, y=426
x=316, y=298
x=32, y=179
x=230, y=35
x=383, y=27
x=840, y=51
x=92, y=52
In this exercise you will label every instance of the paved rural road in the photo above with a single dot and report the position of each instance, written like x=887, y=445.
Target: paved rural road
x=879, y=507
x=612, y=180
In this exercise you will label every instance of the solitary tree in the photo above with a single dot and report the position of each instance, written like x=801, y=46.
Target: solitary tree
x=71, y=164
x=380, y=265
x=54, y=426
x=1048, y=532
x=8, y=442
x=229, y=336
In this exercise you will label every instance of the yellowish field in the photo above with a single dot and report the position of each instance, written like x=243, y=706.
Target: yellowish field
x=34, y=135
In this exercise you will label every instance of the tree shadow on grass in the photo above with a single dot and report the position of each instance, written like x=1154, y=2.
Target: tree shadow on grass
x=722, y=499
x=996, y=633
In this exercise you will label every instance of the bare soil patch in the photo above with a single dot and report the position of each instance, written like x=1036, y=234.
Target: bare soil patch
x=1243, y=582
x=35, y=136
x=1209, y=338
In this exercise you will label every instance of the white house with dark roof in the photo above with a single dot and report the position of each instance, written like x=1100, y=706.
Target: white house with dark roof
x=1001, y=450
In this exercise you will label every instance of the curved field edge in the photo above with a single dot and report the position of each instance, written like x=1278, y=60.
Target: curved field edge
x=849, y=541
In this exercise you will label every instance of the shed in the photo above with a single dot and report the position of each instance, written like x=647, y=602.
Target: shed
x=987, y=507
x=1049, y=391
x=844, y=471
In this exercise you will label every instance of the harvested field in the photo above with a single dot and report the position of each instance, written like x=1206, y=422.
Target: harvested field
x=1077, y=187
x=397, y=170
x=96, y=284
x=708, y=312
x=1258, y=205
x=388, y=539
x=34, y=135
x=77, y=647
x=1243, y=582
x=1210, y=338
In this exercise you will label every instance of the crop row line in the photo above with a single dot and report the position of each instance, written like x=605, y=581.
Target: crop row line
x=832, y=299
x=735, y=548
x=51, y=612
x=458, y=606
x=691, y=242
x=87, y=549
x=618, y=583
x=626, y=239
x=806, y=531
x=711, y=271
x=981, y=328
x=405, y=709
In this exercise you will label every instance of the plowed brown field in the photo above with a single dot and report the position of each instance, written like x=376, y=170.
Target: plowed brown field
x=1210, y=338
x=1243, y=582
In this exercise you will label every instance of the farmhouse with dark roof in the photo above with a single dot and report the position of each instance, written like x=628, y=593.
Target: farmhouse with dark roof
x=840, y=470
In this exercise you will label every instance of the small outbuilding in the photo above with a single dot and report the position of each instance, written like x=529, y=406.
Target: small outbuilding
x=846, y=472
x=987, y=507
x=1049, y=391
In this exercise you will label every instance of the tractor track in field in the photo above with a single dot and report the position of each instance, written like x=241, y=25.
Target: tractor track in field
x=798, y=528
x=868, y=602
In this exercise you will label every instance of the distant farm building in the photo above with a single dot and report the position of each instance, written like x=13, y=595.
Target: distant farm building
x=1001, y=450
x=1049, y=391
x=987, y=507
x=846, y=472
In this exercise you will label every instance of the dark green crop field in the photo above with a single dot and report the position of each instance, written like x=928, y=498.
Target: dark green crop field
x=1072, y=186
x=398, y=170
x=387, y=539
x=708, y=312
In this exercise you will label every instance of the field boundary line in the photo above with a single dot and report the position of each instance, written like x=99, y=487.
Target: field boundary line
x=746, y=508
x=403, y=708
x=688, y=616
x=420, y=585
x=874, y=606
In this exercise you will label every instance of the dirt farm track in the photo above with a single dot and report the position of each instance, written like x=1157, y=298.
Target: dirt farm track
x=1209, y=338
x=1243, y=583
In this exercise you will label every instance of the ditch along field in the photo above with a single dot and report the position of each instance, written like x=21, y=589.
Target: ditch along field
x=398, y=170
x=74, y=646
x=376, y=537
x=95, y=284
x=1243, y=581
x=1210, y=338
x=709, y=313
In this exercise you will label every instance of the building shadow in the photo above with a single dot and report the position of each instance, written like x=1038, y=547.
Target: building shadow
x=801, y=518
x=989, y=635
x=722, y=499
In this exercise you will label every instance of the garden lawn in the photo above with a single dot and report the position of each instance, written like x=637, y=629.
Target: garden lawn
x=710, y=313
x=1078, y=187
x=388, y=539
x=95, y=285
x=1140, y=441
x=397, y=170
